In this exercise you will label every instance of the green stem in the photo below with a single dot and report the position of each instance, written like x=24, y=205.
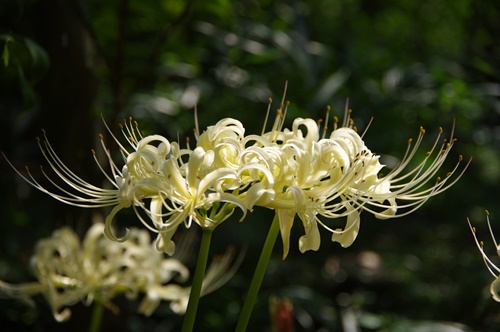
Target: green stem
x=258, y=275
x=199, y=274
x=98, y=310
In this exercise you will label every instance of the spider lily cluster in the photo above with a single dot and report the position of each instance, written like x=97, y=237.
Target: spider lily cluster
x=69, y=271
x=300, y=171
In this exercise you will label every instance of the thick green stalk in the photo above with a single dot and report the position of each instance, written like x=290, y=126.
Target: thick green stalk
x=97, y=311
x=199, y=274
x=258, y=275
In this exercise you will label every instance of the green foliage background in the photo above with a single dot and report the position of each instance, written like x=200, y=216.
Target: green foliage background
x=405, y=63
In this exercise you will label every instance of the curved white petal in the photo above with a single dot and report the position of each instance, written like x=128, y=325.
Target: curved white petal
x=347, y=235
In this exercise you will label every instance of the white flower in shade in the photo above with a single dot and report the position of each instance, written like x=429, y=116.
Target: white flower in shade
x=174, y=186
x=303, y=172
x=155, y=181
x=192, y=191
x=490, y=265
x=69, y=271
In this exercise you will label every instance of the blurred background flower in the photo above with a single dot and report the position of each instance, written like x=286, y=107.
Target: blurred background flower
x=96, y=270
x=406, y=63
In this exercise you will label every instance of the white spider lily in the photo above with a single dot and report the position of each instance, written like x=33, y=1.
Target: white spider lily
x=69, y=271
x=305, y=174
x=192, y=191
x=141, y=168
x=155, y=181
x=203, y=189
x=490, y=265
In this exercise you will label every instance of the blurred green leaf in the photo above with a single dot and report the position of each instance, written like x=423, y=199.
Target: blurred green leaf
x=6, y=53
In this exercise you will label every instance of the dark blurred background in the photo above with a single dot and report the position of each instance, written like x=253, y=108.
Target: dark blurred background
x=405, y=63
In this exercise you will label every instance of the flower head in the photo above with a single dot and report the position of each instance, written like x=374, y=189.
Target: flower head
x=302, y=171
x=69, y=271
x=164, y=184
x=192, y=191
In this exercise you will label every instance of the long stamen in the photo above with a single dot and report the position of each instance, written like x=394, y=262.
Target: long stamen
x=284, y=93
x=325, y=126
x=122, y=148
x=494, y=270
x=221, y=270
x=366, y=128
x=490, y=229
x=65, y=173
x=284, y=115
x=347, y=114
x=114, y=168
x=267, y=115
x=196, y=124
